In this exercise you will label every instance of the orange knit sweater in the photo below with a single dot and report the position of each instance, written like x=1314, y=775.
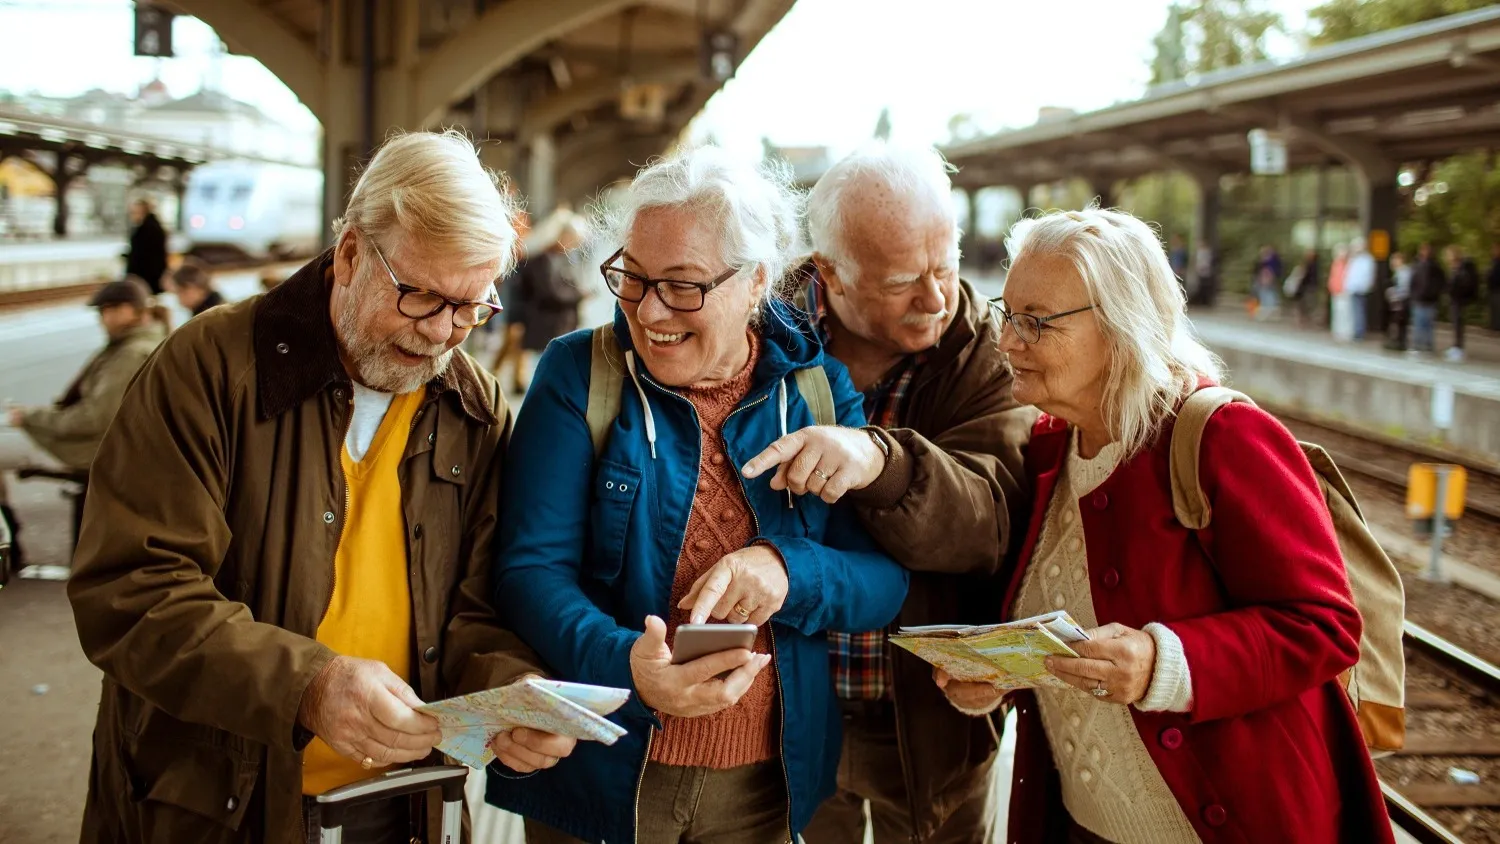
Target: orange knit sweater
x=720, y=523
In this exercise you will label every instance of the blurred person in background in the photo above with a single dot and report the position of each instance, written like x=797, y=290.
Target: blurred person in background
x=70, y=429
x=1268, y=282
x=1304, y=292
x=1205, y=648
x=608, y=546
x=1398, y=299
x=1177, y=256
x=1463, y=291
x=286, y=543
x=547, y=283
x=194, y=286
x=147, y=258
x=939, y=465
x=1340, y=309
x=1359, y=280
x=1428, y=284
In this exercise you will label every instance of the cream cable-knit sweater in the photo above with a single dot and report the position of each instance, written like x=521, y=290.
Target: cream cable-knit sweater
x=1110, y=784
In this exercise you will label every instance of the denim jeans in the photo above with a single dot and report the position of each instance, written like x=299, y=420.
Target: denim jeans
x=1357, y=302
x=1423, y=320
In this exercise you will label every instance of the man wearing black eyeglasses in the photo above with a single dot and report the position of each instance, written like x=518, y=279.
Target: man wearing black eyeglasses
x=286, y=546
x=935, y=473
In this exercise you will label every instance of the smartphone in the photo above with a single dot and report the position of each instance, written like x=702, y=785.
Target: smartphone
x=700, y=640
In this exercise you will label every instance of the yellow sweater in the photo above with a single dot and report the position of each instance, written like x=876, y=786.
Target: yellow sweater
x=369, y=615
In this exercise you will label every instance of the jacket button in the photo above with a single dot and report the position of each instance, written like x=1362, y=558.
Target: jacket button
x=1101, y=500
x=339, y=393
x=1171, y=738
x=429, y=656
x=416, y=531
x=455, y=471
x=1215, y=815
x=1111, y=578
x=431, y=438
x=232, y=804
x=282, y=348
x=328, y=517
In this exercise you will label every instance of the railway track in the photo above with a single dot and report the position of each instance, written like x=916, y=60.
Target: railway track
x=1448, y=688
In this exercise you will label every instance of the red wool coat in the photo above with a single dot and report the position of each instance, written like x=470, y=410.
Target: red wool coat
x=1271, y=750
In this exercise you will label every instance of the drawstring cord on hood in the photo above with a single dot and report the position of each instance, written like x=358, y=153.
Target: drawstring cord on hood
x=651, y=419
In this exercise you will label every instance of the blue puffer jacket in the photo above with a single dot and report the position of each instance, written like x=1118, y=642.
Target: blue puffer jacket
x=588, y=548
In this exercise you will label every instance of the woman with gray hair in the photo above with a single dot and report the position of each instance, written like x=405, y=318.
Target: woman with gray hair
x=624, y=517
x=1206, y=649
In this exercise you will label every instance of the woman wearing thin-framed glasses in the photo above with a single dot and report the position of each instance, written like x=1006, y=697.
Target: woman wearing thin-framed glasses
x=608, y=545
x=1206, y=705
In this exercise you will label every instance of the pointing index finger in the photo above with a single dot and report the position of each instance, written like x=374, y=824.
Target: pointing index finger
x=716, y=583
x=775, y=454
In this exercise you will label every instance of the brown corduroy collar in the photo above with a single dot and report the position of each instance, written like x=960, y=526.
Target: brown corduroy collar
x=297, y=352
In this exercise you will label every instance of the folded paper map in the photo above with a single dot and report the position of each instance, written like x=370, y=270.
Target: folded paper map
x=568, y=709
x=1009, y=656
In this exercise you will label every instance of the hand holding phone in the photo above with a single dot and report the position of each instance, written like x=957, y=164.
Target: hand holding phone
x=673, y=683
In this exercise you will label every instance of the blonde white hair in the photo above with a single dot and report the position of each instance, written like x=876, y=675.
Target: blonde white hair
x=432, y=187
x=917, y=176
x=1155, y=359
x=754, y=207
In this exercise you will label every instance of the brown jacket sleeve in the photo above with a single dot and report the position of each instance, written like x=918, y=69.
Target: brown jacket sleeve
x=480, y=653
x=144, y=600
x=951, y=490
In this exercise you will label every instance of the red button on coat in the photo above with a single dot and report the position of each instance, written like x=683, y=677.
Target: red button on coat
x=1215, y=815
x=1171, y=738
x=1101, y=500
x=1111, y=578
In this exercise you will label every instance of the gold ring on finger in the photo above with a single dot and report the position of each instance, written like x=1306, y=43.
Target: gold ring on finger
x=822, y=474
x=740, y=608
x=367, y=763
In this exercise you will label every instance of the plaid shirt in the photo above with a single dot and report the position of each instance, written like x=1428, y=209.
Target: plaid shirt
x=859, y=668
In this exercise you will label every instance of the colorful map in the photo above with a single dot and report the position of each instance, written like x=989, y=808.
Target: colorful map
x=1008, y=656
x=569, y=709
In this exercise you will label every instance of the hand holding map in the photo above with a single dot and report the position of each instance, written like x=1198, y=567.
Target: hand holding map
x=1007, y=656
x=567, y=709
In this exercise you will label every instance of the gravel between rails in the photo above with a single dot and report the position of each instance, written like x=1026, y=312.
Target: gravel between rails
x=1480, y=716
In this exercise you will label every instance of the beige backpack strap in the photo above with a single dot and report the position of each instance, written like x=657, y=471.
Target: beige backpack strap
x=1188, y=501
x=812, y=383
x=606, y=379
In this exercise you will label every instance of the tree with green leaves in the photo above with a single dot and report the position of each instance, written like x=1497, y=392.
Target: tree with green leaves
x=1340, y=20
x=1201, y=36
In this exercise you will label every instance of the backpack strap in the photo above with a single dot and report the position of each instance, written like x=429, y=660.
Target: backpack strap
x=812, y=383
x=606, y=380
x=1189, y=503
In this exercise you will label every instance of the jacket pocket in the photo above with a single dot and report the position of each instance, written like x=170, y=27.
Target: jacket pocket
x=187, y=790
x=615, y=489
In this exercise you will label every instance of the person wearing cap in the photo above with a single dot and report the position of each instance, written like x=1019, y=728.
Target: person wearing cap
x=69, y=430
x=195, y=288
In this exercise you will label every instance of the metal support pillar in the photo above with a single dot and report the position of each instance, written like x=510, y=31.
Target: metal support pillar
x=541, y=177
x=1380, y=208
x=1206, y=234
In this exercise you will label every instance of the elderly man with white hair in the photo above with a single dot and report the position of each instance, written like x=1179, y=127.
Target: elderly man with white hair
x=287, y=539
x=935, y=479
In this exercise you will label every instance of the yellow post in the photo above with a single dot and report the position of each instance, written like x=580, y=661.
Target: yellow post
x=1421, y=491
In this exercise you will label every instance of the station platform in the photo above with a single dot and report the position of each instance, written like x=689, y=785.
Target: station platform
x=1422, y=398
x=35, y=266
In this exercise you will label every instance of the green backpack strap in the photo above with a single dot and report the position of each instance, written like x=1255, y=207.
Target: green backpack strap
x=606, y=379
x=812, y=383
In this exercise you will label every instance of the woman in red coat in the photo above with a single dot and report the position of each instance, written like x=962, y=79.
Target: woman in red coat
x=1207, y=705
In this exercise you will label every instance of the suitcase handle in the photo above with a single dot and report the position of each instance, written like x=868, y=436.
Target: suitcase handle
x=335, y=803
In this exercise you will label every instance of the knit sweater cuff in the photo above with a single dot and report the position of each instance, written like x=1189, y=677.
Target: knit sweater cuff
x=982, y=711
x=1171, y=687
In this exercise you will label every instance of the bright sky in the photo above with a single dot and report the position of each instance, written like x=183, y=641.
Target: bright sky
x=820, y=78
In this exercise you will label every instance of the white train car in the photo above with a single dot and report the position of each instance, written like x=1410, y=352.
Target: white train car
x=257, y=209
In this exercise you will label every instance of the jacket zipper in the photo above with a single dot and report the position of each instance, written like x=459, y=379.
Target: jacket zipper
x=786, y=777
